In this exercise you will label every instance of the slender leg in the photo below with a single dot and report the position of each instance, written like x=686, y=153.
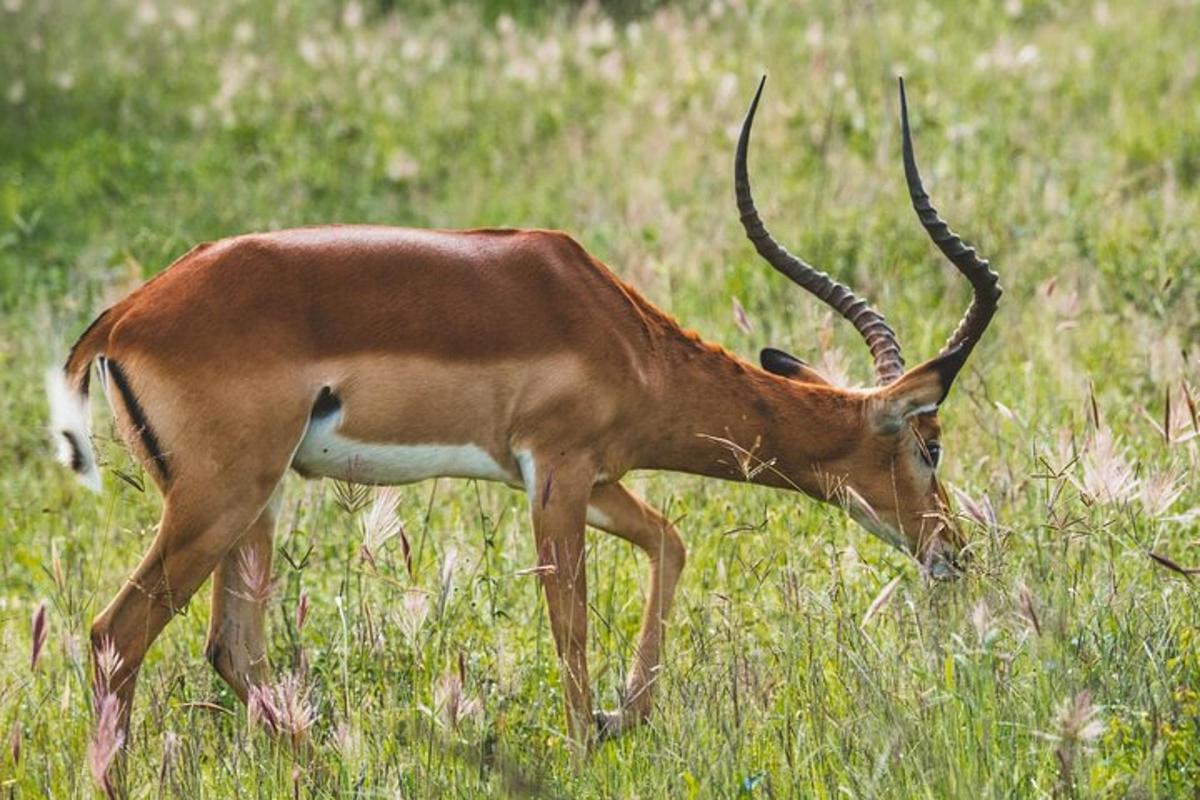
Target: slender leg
x=615, y=510
x=227, y=452
x=191, y=539
x=236, y=644
x=558, y=496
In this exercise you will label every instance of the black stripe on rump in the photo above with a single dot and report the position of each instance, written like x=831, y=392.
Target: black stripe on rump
x=138, y=416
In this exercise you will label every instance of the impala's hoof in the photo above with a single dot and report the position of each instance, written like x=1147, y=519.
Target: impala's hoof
x=609, y=725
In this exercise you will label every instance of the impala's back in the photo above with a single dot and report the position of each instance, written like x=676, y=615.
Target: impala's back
x=407, y=354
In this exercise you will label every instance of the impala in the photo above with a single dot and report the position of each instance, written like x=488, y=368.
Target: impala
x=392, y=355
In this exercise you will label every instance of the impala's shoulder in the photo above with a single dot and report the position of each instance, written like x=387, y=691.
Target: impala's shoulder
x=543, y=239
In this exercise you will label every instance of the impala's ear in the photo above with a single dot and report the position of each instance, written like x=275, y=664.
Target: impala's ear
x=919, y=391
x=777, y=362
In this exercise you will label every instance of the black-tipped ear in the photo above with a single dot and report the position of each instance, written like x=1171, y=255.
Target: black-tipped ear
x=778, y=362
x=920, y=390
x=946, y=367
x=787, y=365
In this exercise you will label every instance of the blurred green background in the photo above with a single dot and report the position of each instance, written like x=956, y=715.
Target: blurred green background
x=1062, y=138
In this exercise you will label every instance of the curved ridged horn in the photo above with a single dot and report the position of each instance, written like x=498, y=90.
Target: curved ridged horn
x=880, y=338
x=984, y=281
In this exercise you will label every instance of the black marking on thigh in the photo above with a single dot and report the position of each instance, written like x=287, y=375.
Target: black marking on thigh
x=327, y=404
x=138, y=417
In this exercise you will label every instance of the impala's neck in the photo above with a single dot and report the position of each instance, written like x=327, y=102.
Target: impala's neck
x=708, y=395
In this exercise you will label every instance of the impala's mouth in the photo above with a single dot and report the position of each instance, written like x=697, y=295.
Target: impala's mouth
x=945, y=569
x=940, y=562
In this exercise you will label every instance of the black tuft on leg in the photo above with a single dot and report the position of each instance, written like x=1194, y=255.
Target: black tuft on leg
x=327, y=403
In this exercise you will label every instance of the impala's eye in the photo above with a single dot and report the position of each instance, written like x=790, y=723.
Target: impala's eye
x=932, y=453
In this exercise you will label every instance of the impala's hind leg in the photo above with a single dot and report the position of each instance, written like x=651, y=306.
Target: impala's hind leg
x=613, y=509
x=236, y=645
x=218, y=458
x=193, y=536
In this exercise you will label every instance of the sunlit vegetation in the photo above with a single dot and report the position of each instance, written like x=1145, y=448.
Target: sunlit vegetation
x=805, y=659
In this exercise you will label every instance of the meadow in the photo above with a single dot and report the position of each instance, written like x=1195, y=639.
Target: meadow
x=805, y=658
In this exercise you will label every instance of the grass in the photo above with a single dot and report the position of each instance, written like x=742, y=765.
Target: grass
x=1063, y=138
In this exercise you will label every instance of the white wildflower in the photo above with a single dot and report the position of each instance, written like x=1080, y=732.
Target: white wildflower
x=401, y=166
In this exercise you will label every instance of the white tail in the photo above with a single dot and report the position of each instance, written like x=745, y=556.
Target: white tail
x=69, y=425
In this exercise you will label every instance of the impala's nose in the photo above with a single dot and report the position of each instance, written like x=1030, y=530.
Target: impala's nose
x=943, y=561
x=945, y=569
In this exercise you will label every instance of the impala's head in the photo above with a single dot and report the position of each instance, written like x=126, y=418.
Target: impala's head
x=888, y=479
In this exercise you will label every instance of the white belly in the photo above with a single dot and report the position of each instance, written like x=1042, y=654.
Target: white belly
x=324, y=452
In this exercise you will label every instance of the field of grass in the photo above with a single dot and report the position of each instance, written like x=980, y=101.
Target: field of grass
x=1063, y=138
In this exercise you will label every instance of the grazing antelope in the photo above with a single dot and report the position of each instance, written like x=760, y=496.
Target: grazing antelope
x=392, y=355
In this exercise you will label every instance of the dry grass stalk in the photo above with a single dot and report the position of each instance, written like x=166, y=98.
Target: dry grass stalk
x=881, y=601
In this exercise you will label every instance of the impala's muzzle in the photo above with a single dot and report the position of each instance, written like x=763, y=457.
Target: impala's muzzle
x=944, y=557
x=943, y=566
x=940, y=556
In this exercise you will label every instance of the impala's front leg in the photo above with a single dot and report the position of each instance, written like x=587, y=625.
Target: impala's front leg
x=615, y=510
x=558, y=496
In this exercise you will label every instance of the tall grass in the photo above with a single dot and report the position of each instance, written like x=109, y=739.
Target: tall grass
x=1062, y=138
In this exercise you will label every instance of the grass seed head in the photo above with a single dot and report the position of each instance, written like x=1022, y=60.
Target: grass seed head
x=741, y=319
x=348, y=742
x=302, y=611
x=261, y=709
x=881, y=600
x=106, y=741
x=284, y=708
x=1027, y=606
x=981, y=620
x=1159, y=491
x=108, y=663
x=171, y=746
x=449, y=562
x=412, y=614
x=1076, y=720
x=380, y=523
x=255, y=575
x=452, y=701
x=38, y=635
x=1108, y=477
